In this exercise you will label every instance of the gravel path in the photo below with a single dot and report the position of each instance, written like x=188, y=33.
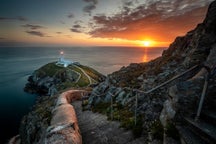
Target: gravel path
x=96, y=129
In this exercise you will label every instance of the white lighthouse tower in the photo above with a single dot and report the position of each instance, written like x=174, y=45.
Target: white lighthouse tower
x=62, y=60
x=61, y=56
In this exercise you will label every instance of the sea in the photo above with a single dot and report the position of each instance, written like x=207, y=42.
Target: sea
x=18, y=63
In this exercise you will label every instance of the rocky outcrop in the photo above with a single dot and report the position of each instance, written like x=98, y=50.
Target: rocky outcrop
x=188, y=93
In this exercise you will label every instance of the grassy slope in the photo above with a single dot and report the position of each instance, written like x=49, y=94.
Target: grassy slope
x=51, y=69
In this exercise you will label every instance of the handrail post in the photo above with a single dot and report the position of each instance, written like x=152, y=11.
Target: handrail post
x=164, y=135
x=111, y=109
x=202, y=97
x=136, y=103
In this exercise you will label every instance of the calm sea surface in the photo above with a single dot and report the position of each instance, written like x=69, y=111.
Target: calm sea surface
x=17, y=63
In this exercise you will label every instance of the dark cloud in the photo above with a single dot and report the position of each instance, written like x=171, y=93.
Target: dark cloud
x=36, y=33
x=1, y=38
x=88, y=9
x=75, y=30
x=158, y=20
x=91, y=6
x=59, y=32
x=70, y=15
x=78, y=27
x=91, y=1
x=33, y=27
x=19, y=18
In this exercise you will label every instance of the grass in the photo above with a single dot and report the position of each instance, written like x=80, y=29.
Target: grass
x=123, y=115
x=172, y=131
x=49, y=69
x=91, y=72
x=157, y=130
x=53, y=70
x=83, y=81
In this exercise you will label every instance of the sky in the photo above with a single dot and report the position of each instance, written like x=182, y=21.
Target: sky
x=153, y=23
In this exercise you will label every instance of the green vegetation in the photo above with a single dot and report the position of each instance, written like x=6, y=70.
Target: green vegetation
x=172, y=131
x=83, y=81
x=49, y=69
x=66, y=77
x=121, y=114
x=157, y=130
x=91, y=72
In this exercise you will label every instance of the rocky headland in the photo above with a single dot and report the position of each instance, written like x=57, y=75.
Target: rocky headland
x=52, y=78
x=168, y=100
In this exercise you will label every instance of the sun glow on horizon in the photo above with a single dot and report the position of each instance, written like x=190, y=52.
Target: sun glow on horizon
x=146, y=43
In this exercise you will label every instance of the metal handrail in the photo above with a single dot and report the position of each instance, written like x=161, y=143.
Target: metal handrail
x=164, y=83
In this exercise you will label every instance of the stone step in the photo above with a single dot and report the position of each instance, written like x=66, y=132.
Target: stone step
x=188, y=136
x=209, y=116
x=205, y=130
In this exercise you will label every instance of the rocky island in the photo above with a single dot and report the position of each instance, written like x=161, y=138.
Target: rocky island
x=168, y=100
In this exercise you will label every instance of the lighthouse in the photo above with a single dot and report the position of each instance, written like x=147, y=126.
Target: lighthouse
x=62, y=60
x=61, y=57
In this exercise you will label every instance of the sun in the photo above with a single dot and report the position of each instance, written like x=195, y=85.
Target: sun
x=146, y=43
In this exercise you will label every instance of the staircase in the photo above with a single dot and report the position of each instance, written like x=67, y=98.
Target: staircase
x=200, y=128
x=201, y=131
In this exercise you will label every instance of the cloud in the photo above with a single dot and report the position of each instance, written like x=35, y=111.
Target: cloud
x=70, y=15
x=160, y=20
x=1, y=38
x=78, y=27
x=36, y=33
x=19, y=18
x=59, y=32
x=33, y=27
x=90, y=7
x=91, y=1
x=75, y=30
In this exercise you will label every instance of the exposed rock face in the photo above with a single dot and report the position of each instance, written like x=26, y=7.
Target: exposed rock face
x=184, y=96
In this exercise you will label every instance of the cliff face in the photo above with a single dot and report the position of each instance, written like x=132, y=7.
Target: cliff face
x=195, y=52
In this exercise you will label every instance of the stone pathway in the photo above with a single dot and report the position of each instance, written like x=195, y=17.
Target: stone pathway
x=96, y=129
x=89, y=78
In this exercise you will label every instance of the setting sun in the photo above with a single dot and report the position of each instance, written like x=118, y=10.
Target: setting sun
x=146, y=43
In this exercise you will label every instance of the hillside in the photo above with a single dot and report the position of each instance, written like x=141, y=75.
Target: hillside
x=51, y=78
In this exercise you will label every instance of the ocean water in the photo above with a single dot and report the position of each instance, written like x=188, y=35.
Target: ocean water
x=17, y=63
